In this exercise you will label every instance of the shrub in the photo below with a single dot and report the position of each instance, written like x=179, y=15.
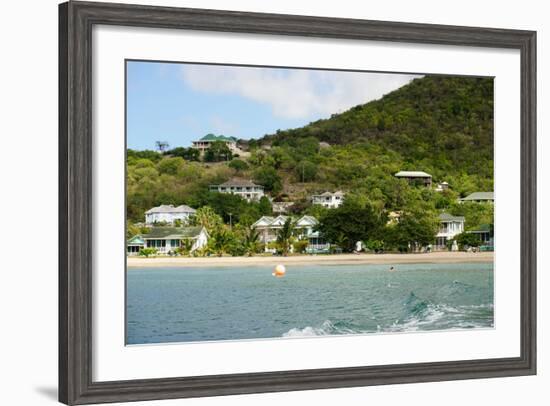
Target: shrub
x=238, y=165
x=300, y=246
x=147, y=252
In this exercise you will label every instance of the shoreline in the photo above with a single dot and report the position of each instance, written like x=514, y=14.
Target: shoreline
x=338, y=259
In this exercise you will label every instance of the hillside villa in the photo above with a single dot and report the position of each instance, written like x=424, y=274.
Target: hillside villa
x=479, y=197
x=268, y=227
x=244, y=188
x=328, y=199
x=449, y=227
x=415, y=177
x=168, y=214
x=166, y=239
x=206, y=142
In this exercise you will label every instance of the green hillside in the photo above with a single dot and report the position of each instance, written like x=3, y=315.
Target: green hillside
x=443, y=125
x=440, y=125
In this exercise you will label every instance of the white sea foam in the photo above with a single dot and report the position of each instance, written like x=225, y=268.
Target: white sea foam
x=433, y=316
x=326, y=328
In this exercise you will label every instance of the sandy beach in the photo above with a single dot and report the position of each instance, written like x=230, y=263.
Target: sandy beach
x=344, y=259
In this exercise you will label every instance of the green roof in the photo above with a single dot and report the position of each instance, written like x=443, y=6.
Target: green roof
x=136, y=240
x=172, y=233
x=212, y=137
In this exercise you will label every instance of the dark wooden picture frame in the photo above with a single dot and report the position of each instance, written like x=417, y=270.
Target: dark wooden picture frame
x=76, y=20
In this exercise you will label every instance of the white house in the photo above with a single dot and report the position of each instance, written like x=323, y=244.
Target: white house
x=242, y=187
x=479, y=197
x=449, y=227
x=328, y=199
x=168, y=214
x=167, y=239
x=268, y=227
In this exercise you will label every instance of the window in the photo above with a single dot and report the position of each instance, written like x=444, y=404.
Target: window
x=156, y=243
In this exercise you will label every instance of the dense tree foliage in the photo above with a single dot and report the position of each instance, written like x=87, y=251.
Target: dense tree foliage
x=467, y=240
x=444, y=124
x=189, y=154
x=218, y=151
x=351, y=222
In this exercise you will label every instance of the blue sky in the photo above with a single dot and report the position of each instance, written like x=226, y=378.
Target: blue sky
x=179, y=103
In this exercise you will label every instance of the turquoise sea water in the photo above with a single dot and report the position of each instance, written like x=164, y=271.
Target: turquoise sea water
x=228, y=303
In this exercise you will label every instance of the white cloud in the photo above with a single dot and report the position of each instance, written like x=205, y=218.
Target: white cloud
x=294, y=93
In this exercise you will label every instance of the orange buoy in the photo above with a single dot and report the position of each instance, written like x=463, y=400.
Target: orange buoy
x=279, y=271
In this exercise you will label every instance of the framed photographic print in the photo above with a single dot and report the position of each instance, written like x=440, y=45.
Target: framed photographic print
x=259, y=202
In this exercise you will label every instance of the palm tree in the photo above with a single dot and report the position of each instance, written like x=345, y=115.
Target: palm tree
x=186, y=246
x=251, y=242
x=207, y=218
x=285, y=236
x=221, y=241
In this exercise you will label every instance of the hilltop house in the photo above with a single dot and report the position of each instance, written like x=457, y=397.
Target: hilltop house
x=479, y=197
x=166, y=239
x=168, y=214
x=241, y=187
x=449, y=227
x=415, y=177
x=205, y=142
x=268, y=227
x=329, y=200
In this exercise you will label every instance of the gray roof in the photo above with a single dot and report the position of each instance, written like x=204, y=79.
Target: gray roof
x=172, y=233
x=412, y=174
x=329, y=194
x=480, y=196
x=450, y=217
x=163, y=208
x=282, y=219
x=240, y=182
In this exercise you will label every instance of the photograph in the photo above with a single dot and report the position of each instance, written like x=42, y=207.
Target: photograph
x=268, y=202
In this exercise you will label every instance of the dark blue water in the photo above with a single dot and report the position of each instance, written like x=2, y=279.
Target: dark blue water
x=228, y=303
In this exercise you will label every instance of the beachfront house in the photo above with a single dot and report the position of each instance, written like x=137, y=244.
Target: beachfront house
x=134, y=245
x=417, y=178
x=479, y=197
x=486, y=235
x=244, y=188
x=449, y=227
x=167, y=239
x=168, y=214
x=268, y=227
x=328, y=199
x=206, y=142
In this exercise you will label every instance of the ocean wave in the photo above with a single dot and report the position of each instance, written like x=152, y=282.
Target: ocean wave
x=325, y=329
x=424, y=315
x=417, y=315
